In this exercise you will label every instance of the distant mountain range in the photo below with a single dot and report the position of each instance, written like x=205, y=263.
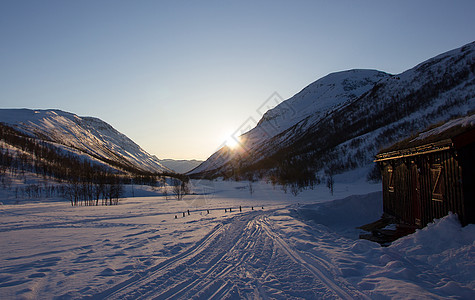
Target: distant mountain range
x=86, y=137
x=340, y=121
x=180, y=166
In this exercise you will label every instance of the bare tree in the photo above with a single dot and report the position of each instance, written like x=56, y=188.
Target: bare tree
x=180, y=188
x=176, y=189
x=295, y=189
x=251, y=188
x=330, y=180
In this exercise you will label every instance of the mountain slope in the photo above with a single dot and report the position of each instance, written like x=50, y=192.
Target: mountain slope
x=348, y=135
x=310, y=104
x=86, y=135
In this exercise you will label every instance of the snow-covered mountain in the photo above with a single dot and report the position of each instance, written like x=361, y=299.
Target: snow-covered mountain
x=341, y=121
x=82, y=135
x=180, y=166
x=302, y=110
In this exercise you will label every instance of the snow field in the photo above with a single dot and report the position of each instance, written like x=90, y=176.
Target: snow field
x=302, y=247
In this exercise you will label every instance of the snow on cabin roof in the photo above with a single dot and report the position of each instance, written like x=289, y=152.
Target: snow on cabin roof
x=454, y=133
x=460, y=124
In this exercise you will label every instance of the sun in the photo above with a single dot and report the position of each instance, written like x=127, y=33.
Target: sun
x=232, y=142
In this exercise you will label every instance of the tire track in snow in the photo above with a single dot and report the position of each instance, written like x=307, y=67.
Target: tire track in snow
x=124, y=286
x=321, y=271
x=241, y=258
x=211, y=268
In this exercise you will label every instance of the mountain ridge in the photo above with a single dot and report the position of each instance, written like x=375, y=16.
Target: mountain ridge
x=89, y=135
x=347, y=85
x=180, y=165
x=348, y=135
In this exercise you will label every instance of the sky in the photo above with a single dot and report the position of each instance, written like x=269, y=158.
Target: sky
x=179, y=77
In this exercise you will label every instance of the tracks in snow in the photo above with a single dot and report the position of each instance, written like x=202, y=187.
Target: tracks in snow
x=241, y=258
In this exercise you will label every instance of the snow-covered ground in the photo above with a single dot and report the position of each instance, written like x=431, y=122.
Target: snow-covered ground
x=278, y=246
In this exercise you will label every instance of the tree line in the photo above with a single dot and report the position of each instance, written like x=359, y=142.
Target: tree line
x=82, y=181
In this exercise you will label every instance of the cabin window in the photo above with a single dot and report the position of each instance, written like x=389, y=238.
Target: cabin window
x=391, y=179
x=437, y=182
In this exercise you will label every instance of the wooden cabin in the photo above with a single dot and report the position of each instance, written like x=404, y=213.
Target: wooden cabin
x=431, y=174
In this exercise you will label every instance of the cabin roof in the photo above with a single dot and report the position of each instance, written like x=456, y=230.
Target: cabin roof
x=455, y=133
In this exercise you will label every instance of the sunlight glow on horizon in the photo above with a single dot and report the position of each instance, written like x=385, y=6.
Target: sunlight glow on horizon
x=232, y=142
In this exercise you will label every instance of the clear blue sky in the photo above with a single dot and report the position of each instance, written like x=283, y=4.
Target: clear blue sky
x=178, y=76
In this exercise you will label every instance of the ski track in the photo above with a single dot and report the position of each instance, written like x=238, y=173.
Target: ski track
x=244, y=257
